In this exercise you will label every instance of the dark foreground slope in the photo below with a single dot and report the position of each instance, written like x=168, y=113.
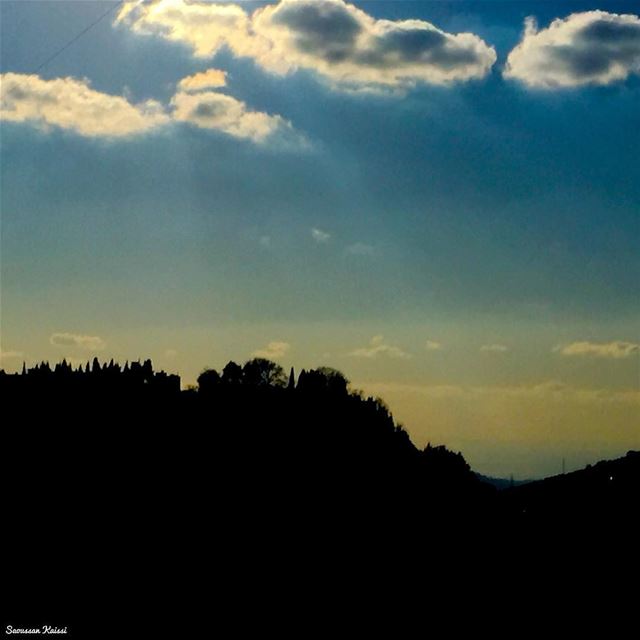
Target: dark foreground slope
x=116, y=480
x=606, y=494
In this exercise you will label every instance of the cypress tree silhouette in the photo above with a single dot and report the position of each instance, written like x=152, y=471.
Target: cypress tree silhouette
x=292, y=380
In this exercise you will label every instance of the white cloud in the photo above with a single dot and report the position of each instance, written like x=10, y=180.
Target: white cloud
x=265, y=242
x=593, y=47
x=360, y=249
x=89, y=343
x=213, y=110
x=73, y=105
x=377, y=347
x=432, y=345
x=205, y=27
x=320, y=236
x=273, y=351
x=209, y=79
x=494, y=348
x=616, y=349
x=338, y=41
x=348, y=47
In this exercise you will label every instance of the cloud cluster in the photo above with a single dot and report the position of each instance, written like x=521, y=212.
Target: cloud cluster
x=344, y=45
x=353, y=50
x=593, y=47
x=89, y=343
x=72, y=104
x=432, y=345
x=616, y=349
x=377, y=347
x=273, y=351
x=338, y=41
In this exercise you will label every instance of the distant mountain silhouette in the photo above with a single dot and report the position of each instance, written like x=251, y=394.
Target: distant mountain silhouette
x=501, y=483
x=256, y=472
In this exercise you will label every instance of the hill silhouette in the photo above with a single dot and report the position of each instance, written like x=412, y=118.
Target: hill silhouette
x=257, y=472
x=258, y=436
x=305, y=446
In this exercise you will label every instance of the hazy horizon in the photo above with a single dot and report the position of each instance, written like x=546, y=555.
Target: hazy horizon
x=439, y=199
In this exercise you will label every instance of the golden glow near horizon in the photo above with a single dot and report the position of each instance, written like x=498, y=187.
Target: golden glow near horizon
x=581, y=403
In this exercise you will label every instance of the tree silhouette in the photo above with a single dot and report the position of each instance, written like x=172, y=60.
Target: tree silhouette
x=232, y=373
x=260, y=372
x=208, y=380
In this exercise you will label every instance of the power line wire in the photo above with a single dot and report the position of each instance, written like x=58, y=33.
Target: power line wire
x=76, y=38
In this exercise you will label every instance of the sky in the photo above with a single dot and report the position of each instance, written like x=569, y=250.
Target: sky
x=440, y=199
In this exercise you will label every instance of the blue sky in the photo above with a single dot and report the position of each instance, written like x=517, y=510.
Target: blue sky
x=470, y=213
